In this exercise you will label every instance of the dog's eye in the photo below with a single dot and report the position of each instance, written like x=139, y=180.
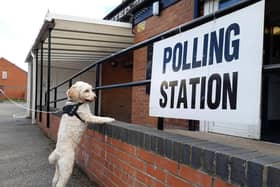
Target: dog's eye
x=86, y=91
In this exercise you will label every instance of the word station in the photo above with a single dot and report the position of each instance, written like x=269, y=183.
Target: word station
x=216, y=89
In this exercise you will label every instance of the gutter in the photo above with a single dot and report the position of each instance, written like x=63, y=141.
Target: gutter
x=43, y=34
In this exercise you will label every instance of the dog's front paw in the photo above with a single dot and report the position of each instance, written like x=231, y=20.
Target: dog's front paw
x=108, y=119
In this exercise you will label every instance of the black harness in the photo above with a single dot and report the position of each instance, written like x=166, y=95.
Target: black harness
x=71, y=110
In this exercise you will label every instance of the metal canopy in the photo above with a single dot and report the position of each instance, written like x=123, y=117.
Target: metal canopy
x=78, y=42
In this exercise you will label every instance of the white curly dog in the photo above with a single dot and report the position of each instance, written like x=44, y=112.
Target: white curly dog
x=72, y=126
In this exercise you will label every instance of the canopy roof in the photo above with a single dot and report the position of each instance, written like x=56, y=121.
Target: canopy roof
x=79, y=41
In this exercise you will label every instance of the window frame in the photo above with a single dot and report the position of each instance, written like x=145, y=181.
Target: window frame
x=4, y=75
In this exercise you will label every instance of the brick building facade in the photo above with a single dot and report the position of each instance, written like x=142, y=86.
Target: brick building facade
x=175, y=13
x=13, y=80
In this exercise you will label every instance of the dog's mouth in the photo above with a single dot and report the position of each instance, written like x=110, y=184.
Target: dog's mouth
x=89, y=100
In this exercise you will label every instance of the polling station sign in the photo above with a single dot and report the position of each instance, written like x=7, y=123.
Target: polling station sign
x=213, y=71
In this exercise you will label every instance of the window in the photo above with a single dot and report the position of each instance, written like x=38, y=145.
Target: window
x=275, y=44
x=211, y=6
x=147, y=11
x=4, y=75
x=227, y=3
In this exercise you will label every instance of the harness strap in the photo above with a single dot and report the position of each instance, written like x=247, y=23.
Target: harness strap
x=71, y=110
x=77, y=115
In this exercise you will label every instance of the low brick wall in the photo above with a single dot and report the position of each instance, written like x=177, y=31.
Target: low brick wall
x=122, y=154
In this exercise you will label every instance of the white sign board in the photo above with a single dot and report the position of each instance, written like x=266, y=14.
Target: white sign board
x=213, y=71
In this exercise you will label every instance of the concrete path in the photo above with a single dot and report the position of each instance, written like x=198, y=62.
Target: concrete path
x=24, y=151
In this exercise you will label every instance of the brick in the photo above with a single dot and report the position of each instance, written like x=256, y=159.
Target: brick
x=168, y=148
x=96, y=168
x=157, y=144
x=129, y=149
x=127, y=168
x=135, y=162
x=185, y=154
x=154, y=146
x=156, y=172
x=174, y=181
x=222, y=166
x=196, y=157
x=101, y=128
x=158, y=184
x=117, y=143
x=256, y=169
x=273, y=173
x=108, y=130
x=180, y=150
x=255, y=175
x=220, y=183
x=167, y=164
x=115, y=132
x=147, y=180
x=139, y=184
x=131, y=137
x=238, y=171
x=147, y=141
x=127, y=178
x=99, y=137
x=124, y=135
x=208, y=161
x=175, y=148
x=115, y=179
x=146, y=156
x=139, y=139
x=195, y=177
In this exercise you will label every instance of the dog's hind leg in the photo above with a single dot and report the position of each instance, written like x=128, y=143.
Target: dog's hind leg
x=65, y=166
x=56, y=176
x=53, y=157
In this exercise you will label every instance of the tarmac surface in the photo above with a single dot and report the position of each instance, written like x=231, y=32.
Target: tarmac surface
x=24, y=150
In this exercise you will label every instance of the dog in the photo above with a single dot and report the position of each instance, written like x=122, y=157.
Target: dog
x=72, y=126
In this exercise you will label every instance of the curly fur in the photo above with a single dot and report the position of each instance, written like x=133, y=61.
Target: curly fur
x=71, y=130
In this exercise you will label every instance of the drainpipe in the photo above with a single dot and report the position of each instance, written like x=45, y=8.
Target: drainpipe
x=29, y=88
x=34, y=69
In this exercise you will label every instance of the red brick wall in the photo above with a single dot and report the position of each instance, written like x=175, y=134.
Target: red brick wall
x=140, y=100
x=15, y=85
x=174, y=15
x=179, y=13
x=54, y=125
x=117, y=102
x=111, y=162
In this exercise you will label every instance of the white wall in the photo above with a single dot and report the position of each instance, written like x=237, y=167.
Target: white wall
x=58, y=75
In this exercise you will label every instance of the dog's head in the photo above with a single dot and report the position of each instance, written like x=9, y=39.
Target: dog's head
x=81, y=92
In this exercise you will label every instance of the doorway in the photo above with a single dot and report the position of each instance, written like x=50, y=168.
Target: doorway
x=270, y=130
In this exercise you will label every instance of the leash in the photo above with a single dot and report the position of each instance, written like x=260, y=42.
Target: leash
x=22, y=106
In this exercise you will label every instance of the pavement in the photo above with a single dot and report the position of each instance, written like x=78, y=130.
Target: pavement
x=24, y=150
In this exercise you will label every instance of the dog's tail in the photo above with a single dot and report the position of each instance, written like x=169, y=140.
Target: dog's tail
x=54, y=156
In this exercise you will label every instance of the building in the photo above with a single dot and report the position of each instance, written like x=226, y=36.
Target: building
x=150, y=18
x=13, y=80
x=209, y=66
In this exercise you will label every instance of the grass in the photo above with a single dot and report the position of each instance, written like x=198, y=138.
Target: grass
x=15, y=100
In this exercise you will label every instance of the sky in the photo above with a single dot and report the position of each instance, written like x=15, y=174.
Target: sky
x=21, y=20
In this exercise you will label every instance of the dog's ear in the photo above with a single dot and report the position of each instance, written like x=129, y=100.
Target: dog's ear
x=72, y=93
